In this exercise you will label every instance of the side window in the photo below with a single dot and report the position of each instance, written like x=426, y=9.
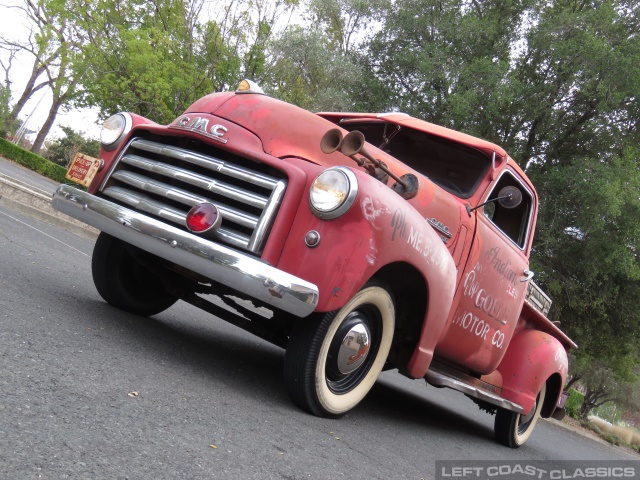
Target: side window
x=513, y=222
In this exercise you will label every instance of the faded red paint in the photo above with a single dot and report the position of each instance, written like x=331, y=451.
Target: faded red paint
x=475, y=320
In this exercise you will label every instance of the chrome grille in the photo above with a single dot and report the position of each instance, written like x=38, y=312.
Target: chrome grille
x=165, y=181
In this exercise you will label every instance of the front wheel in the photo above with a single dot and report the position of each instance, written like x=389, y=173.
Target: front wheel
x=124, y=282
x=512, y=429
x=333, y=359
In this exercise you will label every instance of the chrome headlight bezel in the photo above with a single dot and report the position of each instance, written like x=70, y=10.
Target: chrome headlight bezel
x=114, y=129
x=339, y=182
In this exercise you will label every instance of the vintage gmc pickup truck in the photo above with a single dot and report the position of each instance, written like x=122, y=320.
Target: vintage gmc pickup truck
x=359, y=242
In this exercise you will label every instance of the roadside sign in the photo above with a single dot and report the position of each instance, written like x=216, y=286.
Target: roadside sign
x=83, y=169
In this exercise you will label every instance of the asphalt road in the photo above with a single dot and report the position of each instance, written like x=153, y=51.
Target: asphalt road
x=25, y=175
x=88, y=391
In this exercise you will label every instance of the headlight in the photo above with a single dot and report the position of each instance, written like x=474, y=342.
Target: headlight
x=114, y=129
x=333, y=192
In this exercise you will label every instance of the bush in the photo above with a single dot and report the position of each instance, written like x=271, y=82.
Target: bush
x=609, y=412
x=62, y=150
x=32, y=161
x=574, y=402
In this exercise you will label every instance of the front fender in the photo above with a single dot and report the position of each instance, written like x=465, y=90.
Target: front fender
x=381, y=228
x=531, y=358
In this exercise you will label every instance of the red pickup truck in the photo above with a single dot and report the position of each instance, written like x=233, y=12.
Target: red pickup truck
x=358, y=242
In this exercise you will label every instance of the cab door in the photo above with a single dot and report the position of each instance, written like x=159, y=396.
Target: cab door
x=493, y=284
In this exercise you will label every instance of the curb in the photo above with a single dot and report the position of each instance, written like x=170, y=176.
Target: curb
x=566, y=426
x=35, y=202
x=591, y=435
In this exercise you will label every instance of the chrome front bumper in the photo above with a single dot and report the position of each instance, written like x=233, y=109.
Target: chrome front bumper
x=214, y=261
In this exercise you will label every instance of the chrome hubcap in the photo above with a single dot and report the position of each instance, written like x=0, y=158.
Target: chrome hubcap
x=354, y=349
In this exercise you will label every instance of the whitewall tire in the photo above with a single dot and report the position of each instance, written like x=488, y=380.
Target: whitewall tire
x=334, y=359
x=512, y=429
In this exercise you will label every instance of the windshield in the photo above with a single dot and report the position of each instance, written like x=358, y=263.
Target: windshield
x=450, y=165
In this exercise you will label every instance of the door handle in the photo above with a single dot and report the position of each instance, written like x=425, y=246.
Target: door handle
x=528, y=275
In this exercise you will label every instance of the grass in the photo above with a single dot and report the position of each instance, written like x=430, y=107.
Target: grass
x=608, y=437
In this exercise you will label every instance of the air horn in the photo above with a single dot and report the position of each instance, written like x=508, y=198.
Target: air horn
x=352, y=144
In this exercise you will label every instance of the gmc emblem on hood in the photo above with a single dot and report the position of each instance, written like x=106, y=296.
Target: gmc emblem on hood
x=201, y=125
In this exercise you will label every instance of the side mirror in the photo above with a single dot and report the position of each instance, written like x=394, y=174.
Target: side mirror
x=508, y=197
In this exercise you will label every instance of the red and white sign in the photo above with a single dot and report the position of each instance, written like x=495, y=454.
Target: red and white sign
x=83, y=169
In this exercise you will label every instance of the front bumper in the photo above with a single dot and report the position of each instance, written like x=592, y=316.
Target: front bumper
x=214, y=261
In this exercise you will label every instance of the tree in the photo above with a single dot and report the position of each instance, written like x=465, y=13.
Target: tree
x=6, y=123
x=447, y=61
x=541, y=79
x=263, y=17
x=40, y=58
x=156, y=58
x=576, y=98
x=344, y=22
x=5, y=97
x=556, y=83
x=52, y=45
x=133, y=63
x=306, y=71
x=317, y=66
x=581, y=147
x=605, y=382
x=64, y=149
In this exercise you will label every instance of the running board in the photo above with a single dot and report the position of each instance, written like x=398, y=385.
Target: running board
x=470, y=386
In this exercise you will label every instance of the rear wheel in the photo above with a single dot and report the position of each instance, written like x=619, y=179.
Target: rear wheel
x=124, y=282
x=512, y=429
x=333, y=359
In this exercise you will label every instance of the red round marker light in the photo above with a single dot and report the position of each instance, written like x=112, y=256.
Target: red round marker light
x=203, y=218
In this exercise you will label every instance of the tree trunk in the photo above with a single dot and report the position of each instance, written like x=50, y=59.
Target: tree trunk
x=571, y=382
x=585, y=409
x=588, y=403
x=27, y=93
x=44, y=131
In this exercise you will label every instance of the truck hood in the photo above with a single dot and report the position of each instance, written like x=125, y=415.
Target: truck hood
x=284, y=129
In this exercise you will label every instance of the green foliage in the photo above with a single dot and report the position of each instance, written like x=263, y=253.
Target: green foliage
x=541, y=79
x=344, y=21
x=450, y=66
x=556, y=84
x=307, y=72
x=159, y=57
x=62, y=150
x=32, y=161
x=5, y=110
x=609, y=412
x=586, y=250
x=52, y=45
x=605, y=380
x=8, y=124
x=574, y=402
x=611, y=438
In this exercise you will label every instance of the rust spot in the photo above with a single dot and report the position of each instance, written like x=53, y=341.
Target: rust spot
x=274, y=293
x=336, y=292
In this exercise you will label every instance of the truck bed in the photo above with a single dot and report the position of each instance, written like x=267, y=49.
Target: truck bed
x=536, y=307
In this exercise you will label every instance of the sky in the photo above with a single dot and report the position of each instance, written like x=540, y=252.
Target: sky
x=14, y=27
